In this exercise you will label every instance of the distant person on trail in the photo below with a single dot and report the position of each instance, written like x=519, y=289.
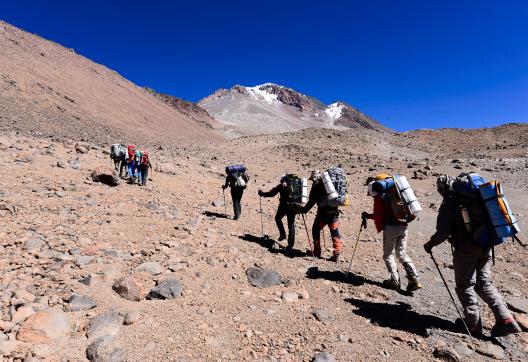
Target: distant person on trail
x=237, y=179
x=144, y=168
x=471, y=264
x=118, y=154
x=326, y=215
x=395, y=234
x=290, y=195
x=136, y=168
x=131, y=151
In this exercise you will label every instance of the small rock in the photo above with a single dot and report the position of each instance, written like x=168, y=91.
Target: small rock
x=131, y=317
x=133, y=287
x=33, y=245
x=152, y=268
x=81, y=149
x=324, y=316
x=491, y=350
x=22, y=314
x=290, y=297
x=61, y=164
x=105, y=349
x=8, y=347
x=446, y=353
x=45, y=327
x=83, y=260
x=80, y=303
x=522, y=319
x=261, y=278
x=105, y=324
x=167, y=289
x=518, y=304
x=303, y=294
x=323, y=357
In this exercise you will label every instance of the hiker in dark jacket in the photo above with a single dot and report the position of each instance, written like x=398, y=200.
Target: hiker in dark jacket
x=283, y=210
x=326, y=215
x=394, y=240
x=236, y=191
x=144, y=168
x=472, y=266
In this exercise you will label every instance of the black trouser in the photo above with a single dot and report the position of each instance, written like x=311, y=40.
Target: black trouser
x=144, y=174
x=282, y=211
x=236, y=196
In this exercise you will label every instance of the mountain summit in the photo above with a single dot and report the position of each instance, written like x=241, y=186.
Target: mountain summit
x=273, y=108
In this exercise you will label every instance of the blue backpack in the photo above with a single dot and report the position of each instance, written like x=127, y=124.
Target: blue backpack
x=486, y=213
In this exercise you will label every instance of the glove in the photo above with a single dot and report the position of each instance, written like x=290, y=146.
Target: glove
x=428, y=247
x=364, y=215
x=260, y=193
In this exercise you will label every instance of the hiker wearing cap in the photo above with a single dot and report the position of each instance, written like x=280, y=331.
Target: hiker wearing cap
x=131, y=151
x=290, y=190
x=237, y=180
x=144, y=166
x=395, y=233
x=471, y=263
x=326, y=216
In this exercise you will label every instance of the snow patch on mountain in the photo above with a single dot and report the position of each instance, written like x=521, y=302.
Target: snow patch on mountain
x=261, y=94
x=334, y=110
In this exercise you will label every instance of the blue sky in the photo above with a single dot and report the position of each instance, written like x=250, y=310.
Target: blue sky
x=410, y=64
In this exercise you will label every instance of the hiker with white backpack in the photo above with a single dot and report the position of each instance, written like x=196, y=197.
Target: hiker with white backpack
x=293, y=192
x=237, y=179
x=475, y=217
x=392, y=214
x=118, y=154
x=329, y=191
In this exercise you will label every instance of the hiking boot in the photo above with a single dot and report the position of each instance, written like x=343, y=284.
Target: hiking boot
x=282, y=237
x=391, y=284
x=504, y=328
x=414, y=284
x=334, y=258
x=288, y=251
x=476, y=331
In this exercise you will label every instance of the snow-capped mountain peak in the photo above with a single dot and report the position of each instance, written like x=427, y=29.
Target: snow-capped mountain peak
x=334, y=110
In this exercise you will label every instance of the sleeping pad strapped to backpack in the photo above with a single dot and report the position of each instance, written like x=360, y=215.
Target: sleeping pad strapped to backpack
x=397, y=195
x=485, y=211
x=336, y=186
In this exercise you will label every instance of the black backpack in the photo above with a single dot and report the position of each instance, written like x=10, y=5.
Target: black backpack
x=295, y=191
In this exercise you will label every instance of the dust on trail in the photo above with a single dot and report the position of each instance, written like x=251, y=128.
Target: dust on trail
x=68, y=230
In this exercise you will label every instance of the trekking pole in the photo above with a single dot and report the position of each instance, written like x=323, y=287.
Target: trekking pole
x=308, y=235
x=451, y=295
x=519, y=241
x=225, y=206
x=261, y=217
x=361, y=227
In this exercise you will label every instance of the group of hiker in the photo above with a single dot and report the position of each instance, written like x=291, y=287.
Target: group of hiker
x=474, y=217
x=131, y=163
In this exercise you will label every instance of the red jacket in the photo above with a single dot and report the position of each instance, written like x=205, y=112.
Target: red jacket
x=380, y=215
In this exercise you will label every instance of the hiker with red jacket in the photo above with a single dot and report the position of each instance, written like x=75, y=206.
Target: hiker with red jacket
x=326, y=216
x=144, y=168
x=131, y=151
x=394, y=239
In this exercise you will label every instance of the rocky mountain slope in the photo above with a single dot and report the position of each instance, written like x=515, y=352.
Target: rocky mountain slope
x=271, y=108
x=83, y=264
x=46, y=89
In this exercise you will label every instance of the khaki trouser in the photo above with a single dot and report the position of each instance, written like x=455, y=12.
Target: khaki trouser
x=395, y=242
x=472, y=265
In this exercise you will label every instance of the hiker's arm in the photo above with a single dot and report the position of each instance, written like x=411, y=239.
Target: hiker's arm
x=226, y=182
x=444, y=226
x=271, y=193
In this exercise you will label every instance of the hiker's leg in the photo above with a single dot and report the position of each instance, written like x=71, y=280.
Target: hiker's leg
x=401, y=253
x=281, y=212
x=236, y=195
x=487, y=291
x=144, y=174
x=291, y=228
x=390, y=236
x=318, y=225
x=336, y=236
x=465, y=259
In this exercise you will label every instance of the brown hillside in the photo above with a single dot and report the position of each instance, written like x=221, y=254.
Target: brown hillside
x=46, y=89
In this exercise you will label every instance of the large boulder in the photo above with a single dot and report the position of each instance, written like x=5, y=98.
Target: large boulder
x=45, y=327
x=167, y=289
x=133, y=287
x=261, y=278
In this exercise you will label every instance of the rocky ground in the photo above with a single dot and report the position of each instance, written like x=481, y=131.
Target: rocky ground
x=93, y=271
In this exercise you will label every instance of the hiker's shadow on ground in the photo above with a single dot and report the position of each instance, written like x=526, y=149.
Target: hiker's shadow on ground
x=341, y=277
x=400, y=316
x=215, y=214
x=106, y=179
x=268, y=243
